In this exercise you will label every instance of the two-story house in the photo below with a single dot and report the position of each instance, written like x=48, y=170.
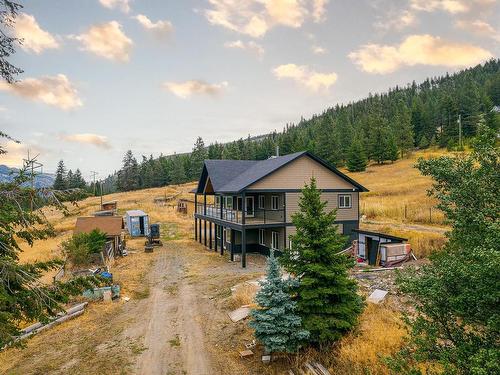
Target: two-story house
x=254, y=200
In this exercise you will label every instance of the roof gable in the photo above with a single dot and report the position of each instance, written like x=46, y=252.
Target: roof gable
x=233, y=176
x=111, y=225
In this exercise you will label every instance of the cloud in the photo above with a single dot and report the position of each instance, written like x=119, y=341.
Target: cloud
x=397, y=20
x=251, y=46
x=123, y=5
x=56, y=90
x=34, y=38
x=306, y=77
x=160, y=28
x=87, y=138
x=318, y=50
x=187, y=89
x=479, y=27
x=256, y=17
x=417, y=49
x=106, y=40
x=451, y=6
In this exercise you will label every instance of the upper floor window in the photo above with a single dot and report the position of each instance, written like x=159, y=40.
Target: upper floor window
x=345, y=201
x=217, y=201
x=262, y=201
x=275, y=201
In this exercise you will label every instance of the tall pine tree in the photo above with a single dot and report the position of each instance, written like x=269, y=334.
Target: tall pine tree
x=60, y=180
x=277, y=326
x=327, y=298
x=356, y=157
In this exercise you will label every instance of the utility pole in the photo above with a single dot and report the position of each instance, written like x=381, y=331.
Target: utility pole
x=459, y=131
x=94, y=173
x=100, y=182
x=32, y=165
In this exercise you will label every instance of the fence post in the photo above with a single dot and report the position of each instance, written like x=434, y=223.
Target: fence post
x=430, y=215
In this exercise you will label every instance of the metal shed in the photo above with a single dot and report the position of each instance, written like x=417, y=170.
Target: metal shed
x=137, y=222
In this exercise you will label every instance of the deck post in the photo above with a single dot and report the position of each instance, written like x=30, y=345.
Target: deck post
x=195, y=219
x=243, y=248
x=195, y=229
x=233, y=242
x=216, y=231
x=205, y=233
x=199, y=231
x=243, y=208
x=210, y=235
x=204, y=204
x=222, y=240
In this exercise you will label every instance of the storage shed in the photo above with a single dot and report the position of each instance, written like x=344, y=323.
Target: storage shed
x=185, y=206
x=111, y=225
x=137, y=222
x=109, y=206
x=391, y=248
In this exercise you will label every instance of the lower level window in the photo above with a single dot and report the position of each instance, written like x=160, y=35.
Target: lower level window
x=345, y=201
x=262, y=236
x=275, y=240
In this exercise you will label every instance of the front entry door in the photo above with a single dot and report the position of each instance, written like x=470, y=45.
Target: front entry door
x=249, y=203
x=372, y=246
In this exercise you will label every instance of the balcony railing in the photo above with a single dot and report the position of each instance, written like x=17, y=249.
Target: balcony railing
x=259, y=216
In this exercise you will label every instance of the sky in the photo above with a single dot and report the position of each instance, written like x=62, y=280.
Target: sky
x=104, y=76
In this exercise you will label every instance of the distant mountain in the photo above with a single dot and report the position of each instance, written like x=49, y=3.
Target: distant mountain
x=41, y=180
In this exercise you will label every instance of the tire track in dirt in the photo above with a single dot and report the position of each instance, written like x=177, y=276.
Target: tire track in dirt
x=169, y=320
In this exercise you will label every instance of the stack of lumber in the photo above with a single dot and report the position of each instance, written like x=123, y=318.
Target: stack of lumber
x=310, y=368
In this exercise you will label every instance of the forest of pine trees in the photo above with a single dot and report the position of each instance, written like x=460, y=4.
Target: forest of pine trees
x=380, y=128
x=68, y=179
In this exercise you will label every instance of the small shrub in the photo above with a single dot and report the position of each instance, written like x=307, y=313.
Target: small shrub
x=82, y=247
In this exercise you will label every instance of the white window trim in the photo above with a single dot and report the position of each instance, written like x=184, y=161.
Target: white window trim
x=273, y=198
x=262, y=201
x=345, y=196
x=262, y=237
x=275, y=246
x=226, y=199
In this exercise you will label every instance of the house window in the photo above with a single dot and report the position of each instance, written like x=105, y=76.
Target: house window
x=217, y=232
x=275, y=240
x=262, y=236
x=217, y=201
x=345, y=201
x=228, y=202
x=228, y=234
x=262, y=201
x=275, y=202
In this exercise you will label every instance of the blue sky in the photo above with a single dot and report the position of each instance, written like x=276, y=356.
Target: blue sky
x=104, y=76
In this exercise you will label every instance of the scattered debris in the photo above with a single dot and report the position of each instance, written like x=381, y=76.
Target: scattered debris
x=381, y=269
x=126, y=299
x=98, y=293
x=106, y=295
x=266, y=359
x=239, y=314
x=251, y=345
x=246, y=353
x=377, y=296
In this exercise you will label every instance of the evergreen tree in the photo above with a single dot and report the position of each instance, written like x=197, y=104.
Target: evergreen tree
x=70, y=180
x=424, y=143
x=356, y=158
x=391, y=151
x=60, y=180
x=79, y=180
x=455, y=321
x=403, y=130
x=178, y=172
x=276, y=324
x=327, y=298
x=198, y=156
x=128, y=176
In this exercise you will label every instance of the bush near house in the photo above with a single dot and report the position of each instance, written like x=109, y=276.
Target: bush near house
x=82, y=248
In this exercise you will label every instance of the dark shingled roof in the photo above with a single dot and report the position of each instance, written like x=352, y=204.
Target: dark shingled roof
x=232, y=176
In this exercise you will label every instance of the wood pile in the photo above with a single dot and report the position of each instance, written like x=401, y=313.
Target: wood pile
x=310, y=368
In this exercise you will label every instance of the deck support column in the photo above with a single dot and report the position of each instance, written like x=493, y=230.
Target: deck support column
x=199, y=230
x=210, y=235
x=243, y=248
x=216, y=231
x=205, y=233
x=195, y=229
x=222, y=240
x=233, y=242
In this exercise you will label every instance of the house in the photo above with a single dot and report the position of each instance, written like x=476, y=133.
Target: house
x=254, y=201
x=137, y=222
x=185, y=206
x=111, y=225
